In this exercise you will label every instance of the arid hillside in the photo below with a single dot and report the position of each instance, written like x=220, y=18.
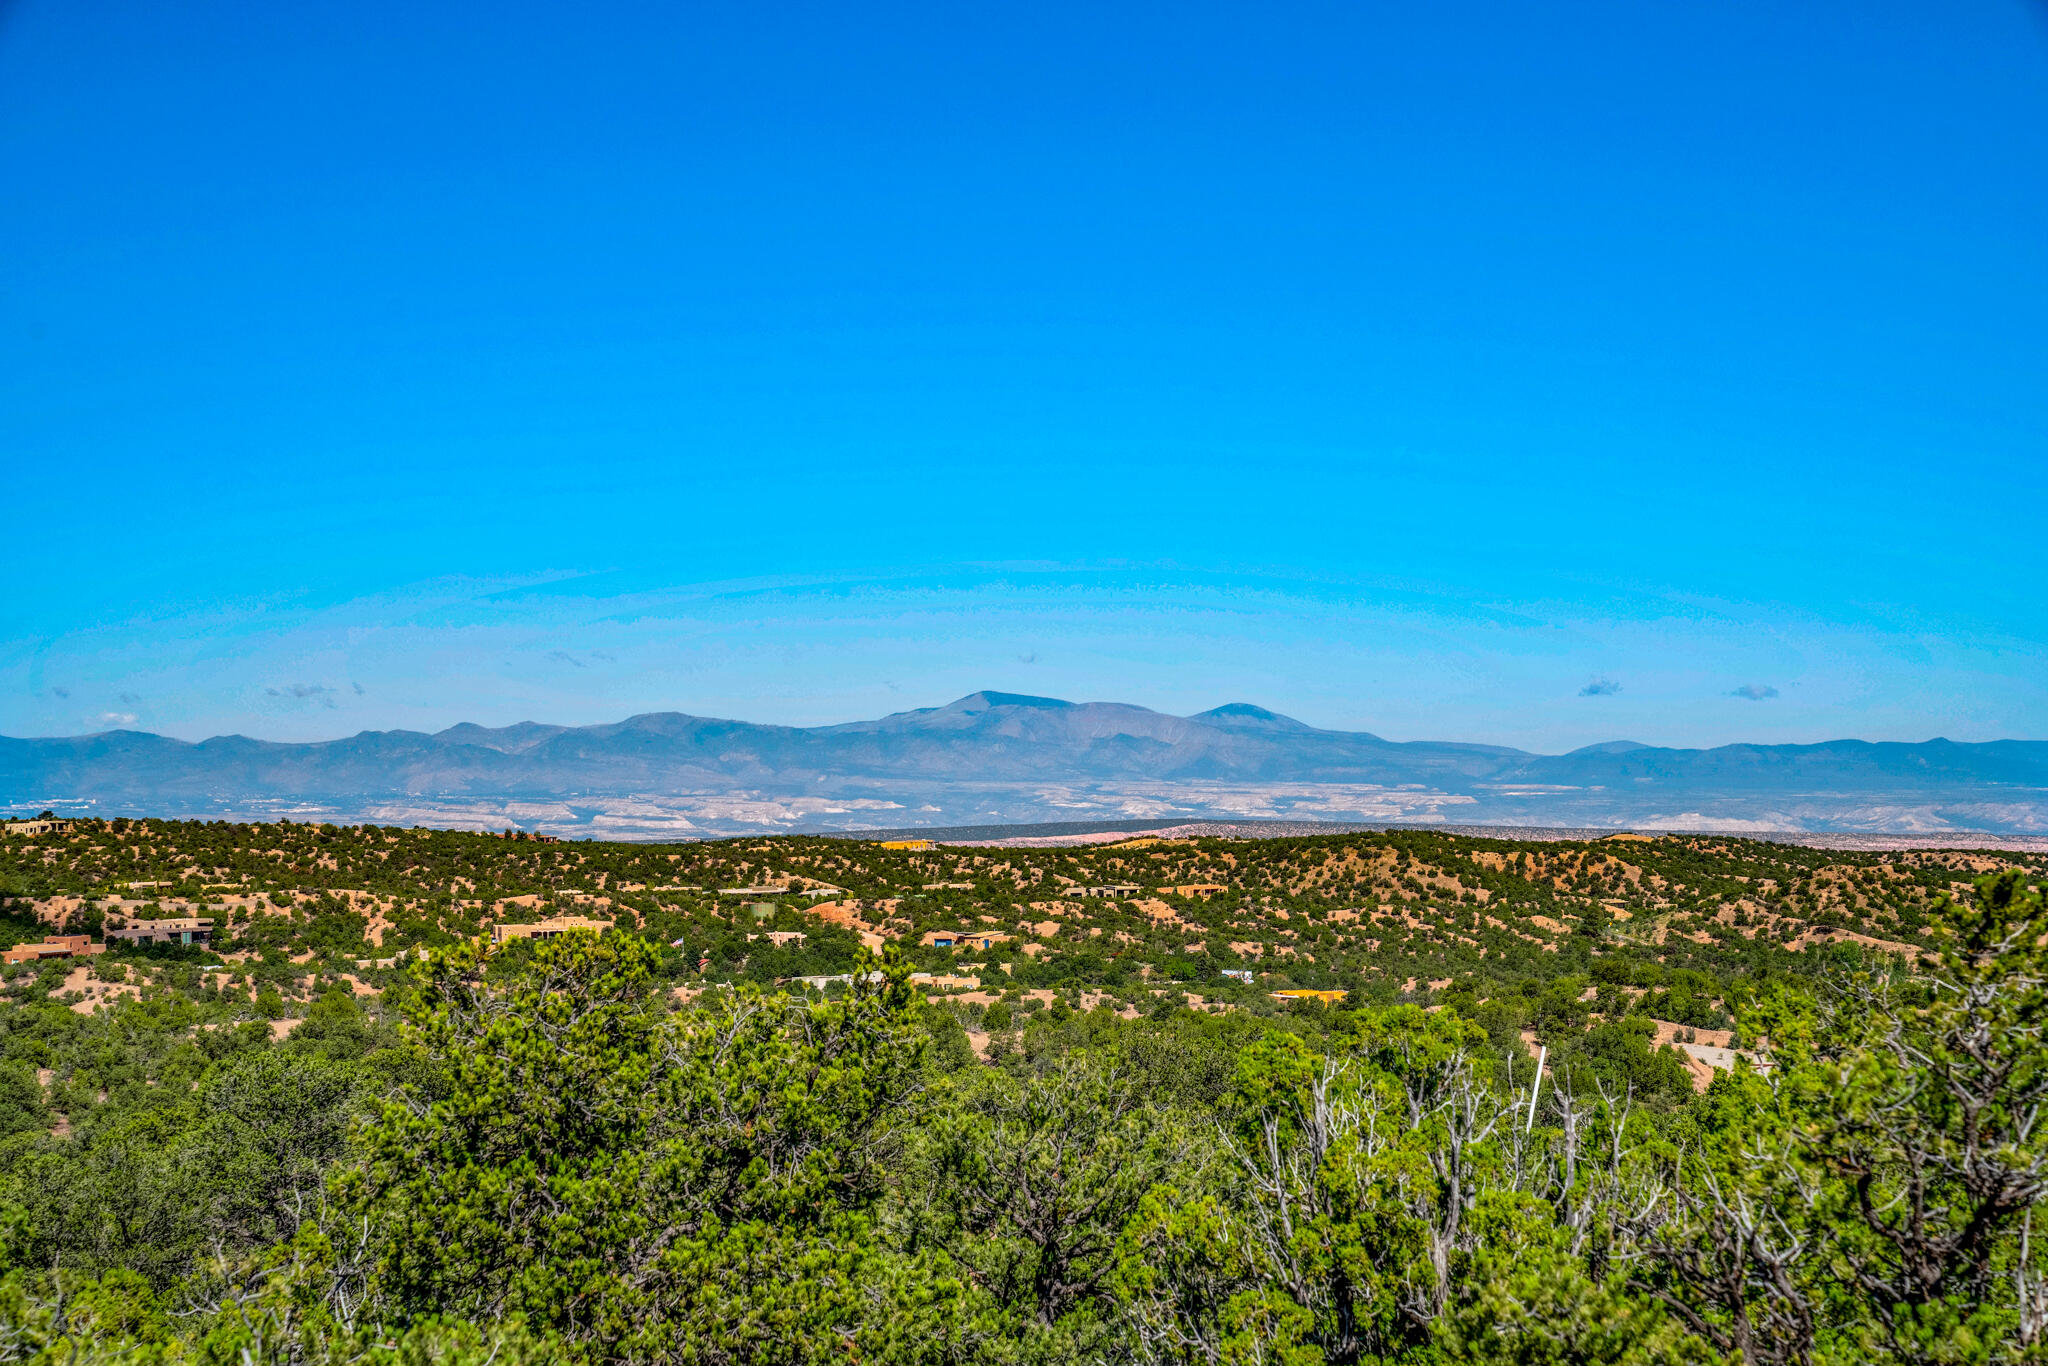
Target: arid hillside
x=1538, y=937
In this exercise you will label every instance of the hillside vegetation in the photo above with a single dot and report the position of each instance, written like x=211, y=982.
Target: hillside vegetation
x=1034, y=1105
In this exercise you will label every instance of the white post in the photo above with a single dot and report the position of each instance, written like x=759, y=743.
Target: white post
x=1536, y=1087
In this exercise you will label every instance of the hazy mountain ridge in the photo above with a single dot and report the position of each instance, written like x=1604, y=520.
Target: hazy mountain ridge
x=939, y=754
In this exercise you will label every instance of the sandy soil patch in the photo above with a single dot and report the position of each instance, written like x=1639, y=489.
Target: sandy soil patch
x=1811, y=936
x=846, y=915
x=95, y=992
x=1668, y=1035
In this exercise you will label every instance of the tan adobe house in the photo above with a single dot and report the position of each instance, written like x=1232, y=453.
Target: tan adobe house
x=40, y=826
x=547, y=929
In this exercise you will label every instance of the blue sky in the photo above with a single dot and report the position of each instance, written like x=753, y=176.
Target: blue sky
x=1530, y=373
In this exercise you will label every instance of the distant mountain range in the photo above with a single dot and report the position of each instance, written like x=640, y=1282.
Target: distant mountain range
x=1005, y=756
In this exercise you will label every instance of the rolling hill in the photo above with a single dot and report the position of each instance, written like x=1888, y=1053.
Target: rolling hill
x=1008, y=756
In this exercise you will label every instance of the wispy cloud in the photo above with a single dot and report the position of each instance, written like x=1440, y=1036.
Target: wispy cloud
x=129, y=699
x=304, y=692
x=1755, y=692
x=358, y=687
x=109, y=720
x=1031, y=658
x=61, y=692
x=565, y=657
x=1600, y=687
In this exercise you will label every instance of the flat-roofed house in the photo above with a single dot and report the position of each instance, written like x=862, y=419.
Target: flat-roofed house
x=963, y=939
x=188, y=930
x=547, y=929
x=41, y=825
x=819, y=983
x=54, y=946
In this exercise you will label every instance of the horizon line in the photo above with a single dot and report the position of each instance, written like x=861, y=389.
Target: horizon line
x=1020, y=699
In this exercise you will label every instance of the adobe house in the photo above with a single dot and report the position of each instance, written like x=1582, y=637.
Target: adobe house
x=41, y=825
x=547, y=929
x=55, y=946
x=190, y=930
x=963, y=939
x=819, y=983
